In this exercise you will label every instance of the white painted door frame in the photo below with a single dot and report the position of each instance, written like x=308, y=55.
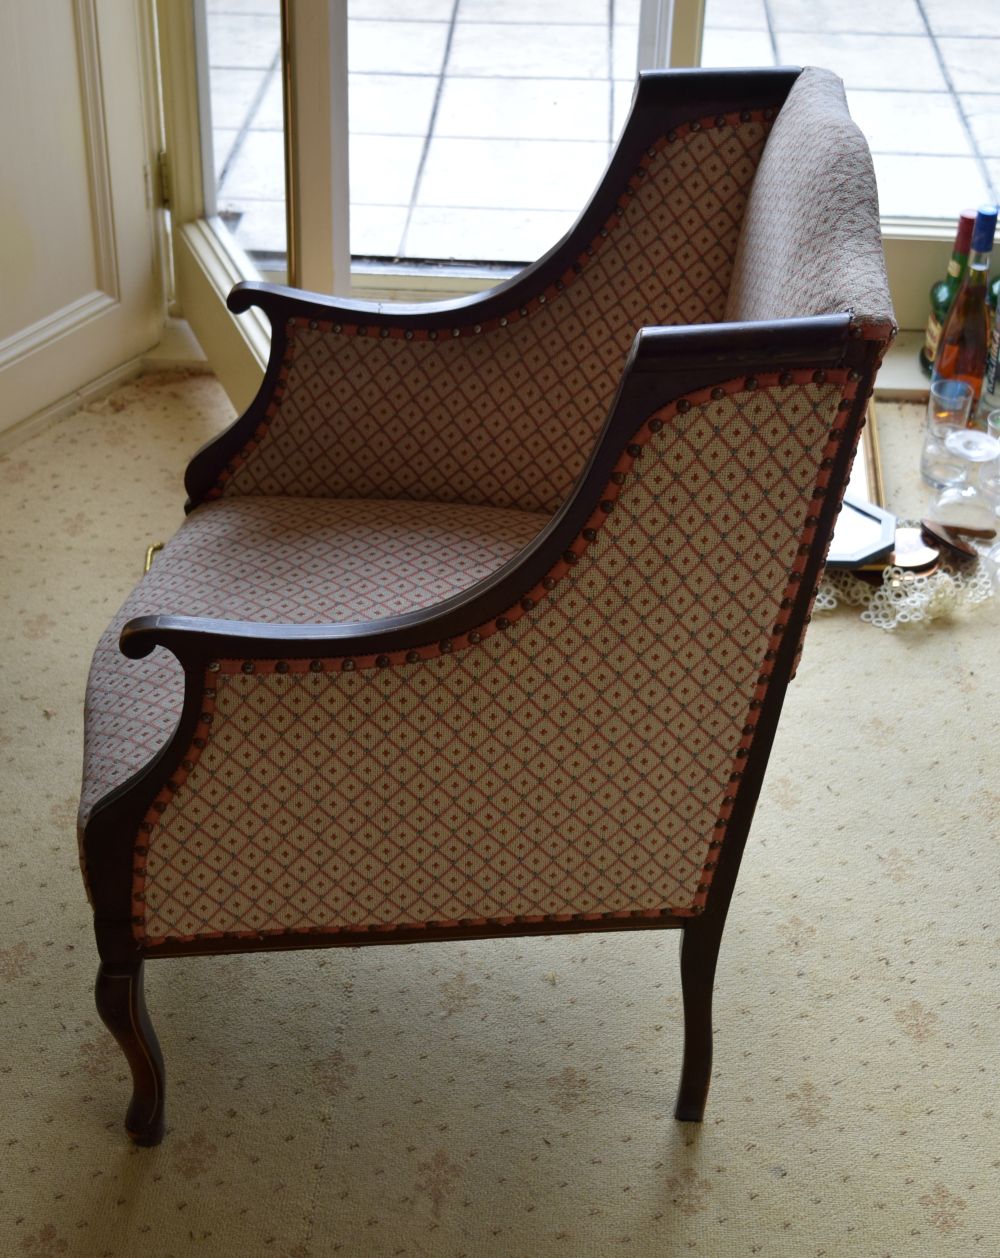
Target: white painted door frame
x=207, y=260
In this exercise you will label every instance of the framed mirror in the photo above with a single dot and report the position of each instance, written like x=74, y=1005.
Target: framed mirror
x=865, y=532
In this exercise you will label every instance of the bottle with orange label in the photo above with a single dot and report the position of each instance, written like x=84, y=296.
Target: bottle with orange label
x=943, y=292
x=961, y=353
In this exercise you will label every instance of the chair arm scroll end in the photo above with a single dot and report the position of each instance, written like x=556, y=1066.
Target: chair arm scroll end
x=242, y=296
x=140, y=637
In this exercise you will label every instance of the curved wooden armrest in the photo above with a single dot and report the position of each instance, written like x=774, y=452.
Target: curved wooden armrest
x=662, y=99
x=663, y=364
x=280, y=302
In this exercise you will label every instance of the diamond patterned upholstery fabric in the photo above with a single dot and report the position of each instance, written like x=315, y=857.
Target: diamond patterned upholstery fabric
x=575, y=763
x=508, y=416
x=279, y=560
x=810, y=242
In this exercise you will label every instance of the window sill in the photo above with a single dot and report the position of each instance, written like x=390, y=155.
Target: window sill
x=901, y=377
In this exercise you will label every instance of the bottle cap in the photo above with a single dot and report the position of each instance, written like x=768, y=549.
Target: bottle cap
x=963, y=238
x=986, y=225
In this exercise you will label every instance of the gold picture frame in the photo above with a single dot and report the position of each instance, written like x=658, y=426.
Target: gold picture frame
x=866, y=481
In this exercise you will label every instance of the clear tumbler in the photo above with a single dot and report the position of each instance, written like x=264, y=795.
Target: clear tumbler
x=948, y=410
x=969, y=500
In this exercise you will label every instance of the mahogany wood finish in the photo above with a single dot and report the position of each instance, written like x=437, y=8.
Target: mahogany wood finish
x=665, y=364
x=700, y=942
x=122, y=1007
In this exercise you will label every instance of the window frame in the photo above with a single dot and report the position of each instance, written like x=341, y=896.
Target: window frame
x=208, y=262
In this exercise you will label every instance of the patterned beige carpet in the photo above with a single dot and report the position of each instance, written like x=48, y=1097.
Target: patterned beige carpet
x=514, y=1098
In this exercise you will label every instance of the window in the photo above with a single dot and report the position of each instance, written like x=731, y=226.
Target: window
x=477, y=128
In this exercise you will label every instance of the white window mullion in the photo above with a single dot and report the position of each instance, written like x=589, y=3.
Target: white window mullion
x=209, y=198
x=316, y=140
x=670, y=33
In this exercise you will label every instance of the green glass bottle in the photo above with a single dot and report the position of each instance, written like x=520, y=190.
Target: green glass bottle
x=943, y=292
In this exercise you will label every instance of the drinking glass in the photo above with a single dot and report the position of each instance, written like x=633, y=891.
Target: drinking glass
x=967, y=501
x=948, y=410
x=991, y=475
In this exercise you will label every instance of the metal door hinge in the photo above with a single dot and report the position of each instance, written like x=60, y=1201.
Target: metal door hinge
x=163, y=177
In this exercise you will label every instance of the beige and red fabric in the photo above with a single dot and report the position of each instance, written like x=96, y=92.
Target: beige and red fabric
x=506, y=413
x=577, y=763
x=390, y=751
x=811, y=242
x=279, y=560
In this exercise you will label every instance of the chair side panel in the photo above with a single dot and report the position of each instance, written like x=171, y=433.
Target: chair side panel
x=580, y=761
x=271, y=560
x=506, y=413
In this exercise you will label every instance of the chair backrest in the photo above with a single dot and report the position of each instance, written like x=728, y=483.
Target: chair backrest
x=509, y=408
x=810, y=243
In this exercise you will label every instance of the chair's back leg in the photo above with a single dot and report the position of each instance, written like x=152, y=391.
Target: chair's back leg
x=700, y=939
x=122, y=1008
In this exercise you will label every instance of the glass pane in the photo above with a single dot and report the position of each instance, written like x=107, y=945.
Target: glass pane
x=480, y=128
x=246, y=123
x=922, y=77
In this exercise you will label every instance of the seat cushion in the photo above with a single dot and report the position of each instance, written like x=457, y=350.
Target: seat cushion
x=279, y=560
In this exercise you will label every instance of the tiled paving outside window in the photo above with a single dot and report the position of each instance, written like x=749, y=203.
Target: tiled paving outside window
x=922, y=77
x=479, y=127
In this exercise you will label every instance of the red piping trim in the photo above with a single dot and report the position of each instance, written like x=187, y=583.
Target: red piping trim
x=660, y=420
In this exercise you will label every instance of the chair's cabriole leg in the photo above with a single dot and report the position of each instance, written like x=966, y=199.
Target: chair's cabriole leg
x=700, y=941
x=122, y=1008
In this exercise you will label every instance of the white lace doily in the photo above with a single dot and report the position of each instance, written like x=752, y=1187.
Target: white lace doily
x=905, y=598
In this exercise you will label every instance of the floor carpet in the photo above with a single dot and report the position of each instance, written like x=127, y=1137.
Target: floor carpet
x=513, y=1098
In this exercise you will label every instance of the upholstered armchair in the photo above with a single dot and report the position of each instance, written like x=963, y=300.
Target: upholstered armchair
x=482, y=615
